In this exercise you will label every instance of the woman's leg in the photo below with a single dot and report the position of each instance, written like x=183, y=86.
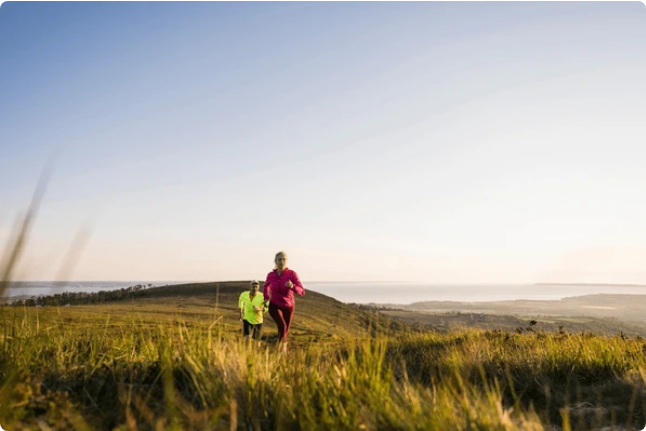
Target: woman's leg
x=288, y=313
x=277, y=314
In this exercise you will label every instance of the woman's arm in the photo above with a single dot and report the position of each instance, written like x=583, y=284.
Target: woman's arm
x=266, y=289
x=298, y=286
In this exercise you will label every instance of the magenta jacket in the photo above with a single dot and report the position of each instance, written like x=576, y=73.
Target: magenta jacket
x=282, y=295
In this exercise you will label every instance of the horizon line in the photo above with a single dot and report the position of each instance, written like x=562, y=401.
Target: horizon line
x=345, y=282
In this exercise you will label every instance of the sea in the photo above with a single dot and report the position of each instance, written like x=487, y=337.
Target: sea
x=367, y=292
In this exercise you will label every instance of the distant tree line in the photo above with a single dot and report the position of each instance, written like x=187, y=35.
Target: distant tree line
x=68, y=298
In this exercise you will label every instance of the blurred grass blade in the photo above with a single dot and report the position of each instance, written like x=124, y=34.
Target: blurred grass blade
x=16, y=249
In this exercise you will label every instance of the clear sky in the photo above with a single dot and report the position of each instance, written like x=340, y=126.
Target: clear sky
x=434, y=142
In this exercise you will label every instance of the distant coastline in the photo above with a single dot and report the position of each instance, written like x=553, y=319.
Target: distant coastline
x=590, y=284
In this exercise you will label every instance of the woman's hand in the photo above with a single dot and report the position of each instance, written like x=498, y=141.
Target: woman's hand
x=289, y=284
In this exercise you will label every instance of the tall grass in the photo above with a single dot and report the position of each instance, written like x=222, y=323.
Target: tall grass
x=16, y=245
x=176, y=376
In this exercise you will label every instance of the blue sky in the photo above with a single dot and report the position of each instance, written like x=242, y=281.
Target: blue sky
x=437, y=142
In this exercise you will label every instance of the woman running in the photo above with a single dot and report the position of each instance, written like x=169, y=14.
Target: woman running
x=278, y=291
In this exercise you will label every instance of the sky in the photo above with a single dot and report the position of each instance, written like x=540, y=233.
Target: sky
x=423, y=142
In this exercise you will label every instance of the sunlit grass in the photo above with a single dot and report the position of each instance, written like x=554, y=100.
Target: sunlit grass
x=178, y=376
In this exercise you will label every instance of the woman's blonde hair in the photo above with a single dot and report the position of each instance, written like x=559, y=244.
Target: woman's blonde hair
x=280, y=253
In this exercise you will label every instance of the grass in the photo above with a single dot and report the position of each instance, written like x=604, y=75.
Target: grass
x=452, y=321
x=598, y=378
x=319, y=318
x=175, y=376
x=62, y=372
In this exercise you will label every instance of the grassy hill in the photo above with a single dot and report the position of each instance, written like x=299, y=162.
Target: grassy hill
x=168, y=359
x=318, y=317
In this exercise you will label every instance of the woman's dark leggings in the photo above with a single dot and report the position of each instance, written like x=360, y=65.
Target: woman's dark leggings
x=283, y=318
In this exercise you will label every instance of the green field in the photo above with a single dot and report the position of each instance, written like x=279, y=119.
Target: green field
x=627, y=308
x=445, y=322
x=172, y=359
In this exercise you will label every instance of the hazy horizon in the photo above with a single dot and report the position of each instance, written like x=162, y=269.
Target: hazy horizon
x=421, y=283
x=432, y=142
x=365, y=292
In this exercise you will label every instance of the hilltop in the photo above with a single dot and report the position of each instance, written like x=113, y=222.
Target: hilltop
x=318, y=316
x=321, y=317
x=171, y=358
